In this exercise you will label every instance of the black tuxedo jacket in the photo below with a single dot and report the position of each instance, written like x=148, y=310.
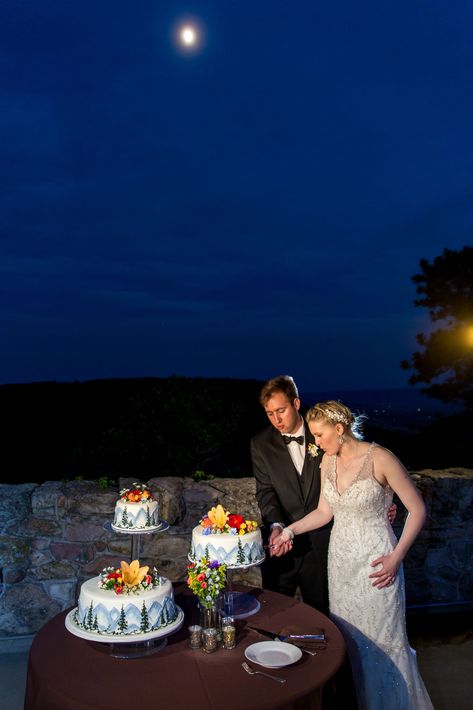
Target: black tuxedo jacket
x=282, y=494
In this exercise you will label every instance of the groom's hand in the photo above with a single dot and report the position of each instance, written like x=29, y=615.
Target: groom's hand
x=392, y=512
x=277, y=549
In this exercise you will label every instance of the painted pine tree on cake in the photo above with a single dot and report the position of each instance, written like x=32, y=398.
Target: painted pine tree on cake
x=125, y=521
x=89, y=620
x=164, y=615
x=122, y=622
x=149, y=523
x=241, y=560
x=144, y=626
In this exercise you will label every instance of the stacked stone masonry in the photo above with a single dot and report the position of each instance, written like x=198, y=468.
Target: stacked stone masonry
x=52, y=538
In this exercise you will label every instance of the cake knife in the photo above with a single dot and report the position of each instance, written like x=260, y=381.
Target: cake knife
x=282, y=637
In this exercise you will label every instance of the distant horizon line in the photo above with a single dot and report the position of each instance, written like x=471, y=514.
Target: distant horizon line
x=357, y=388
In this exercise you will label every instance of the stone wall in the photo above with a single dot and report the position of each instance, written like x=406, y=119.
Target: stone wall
x=52, y=538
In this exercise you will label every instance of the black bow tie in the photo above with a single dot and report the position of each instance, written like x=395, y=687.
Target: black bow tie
x=288, y=439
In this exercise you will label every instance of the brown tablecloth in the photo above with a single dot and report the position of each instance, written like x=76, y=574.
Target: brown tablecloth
x=69, y=673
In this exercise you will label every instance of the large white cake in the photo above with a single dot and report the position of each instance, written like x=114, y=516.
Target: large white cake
x=227, y=538
x=136, y=509
x=138, y=609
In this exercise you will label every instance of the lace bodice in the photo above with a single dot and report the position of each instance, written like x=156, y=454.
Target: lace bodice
x=364, y=494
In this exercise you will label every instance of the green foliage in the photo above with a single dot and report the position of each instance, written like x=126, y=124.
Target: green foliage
x=201, y=476
x=105, y=483
x=445, y=361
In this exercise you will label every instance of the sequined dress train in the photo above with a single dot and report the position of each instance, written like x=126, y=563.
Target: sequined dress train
x=372, y=620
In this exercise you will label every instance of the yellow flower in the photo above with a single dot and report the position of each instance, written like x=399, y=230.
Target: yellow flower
x=218, y=516
x=241, y=531
x=132, y=573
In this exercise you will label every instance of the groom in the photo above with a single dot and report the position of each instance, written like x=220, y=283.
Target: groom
x=287, y=472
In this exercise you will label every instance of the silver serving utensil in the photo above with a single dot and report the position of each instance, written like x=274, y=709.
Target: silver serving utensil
x=282, y=637
x=252, y=671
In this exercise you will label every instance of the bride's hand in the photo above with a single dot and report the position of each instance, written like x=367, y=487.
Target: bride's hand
x=279, y=544
x=385, y=576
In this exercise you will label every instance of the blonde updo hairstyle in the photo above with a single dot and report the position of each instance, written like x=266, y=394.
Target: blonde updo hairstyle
x=337, y=413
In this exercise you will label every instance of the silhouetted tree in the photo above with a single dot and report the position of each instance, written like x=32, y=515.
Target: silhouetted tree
x=445, y=361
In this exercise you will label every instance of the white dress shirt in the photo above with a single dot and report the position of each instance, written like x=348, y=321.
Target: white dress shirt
x=297, y=451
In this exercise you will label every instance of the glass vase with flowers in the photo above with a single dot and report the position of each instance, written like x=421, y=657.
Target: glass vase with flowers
x=206, y=579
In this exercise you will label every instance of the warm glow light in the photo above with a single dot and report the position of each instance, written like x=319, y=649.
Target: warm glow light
x=469, y=335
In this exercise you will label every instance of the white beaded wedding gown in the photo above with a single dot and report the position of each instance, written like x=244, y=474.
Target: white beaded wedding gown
x=371, y=620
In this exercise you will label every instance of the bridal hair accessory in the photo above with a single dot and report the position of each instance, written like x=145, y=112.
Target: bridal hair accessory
x=336, y=416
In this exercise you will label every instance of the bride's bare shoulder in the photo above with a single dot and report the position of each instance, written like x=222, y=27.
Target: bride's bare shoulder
x=382, y=455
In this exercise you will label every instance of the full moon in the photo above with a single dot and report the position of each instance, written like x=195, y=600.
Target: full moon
x=188, y=36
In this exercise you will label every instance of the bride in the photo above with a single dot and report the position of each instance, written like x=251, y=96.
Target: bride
x=366, y=582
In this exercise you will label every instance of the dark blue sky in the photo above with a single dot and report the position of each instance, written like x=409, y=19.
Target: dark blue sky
x=254, y=208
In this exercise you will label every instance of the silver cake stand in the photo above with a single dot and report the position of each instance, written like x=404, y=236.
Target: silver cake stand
x=239, y=604
x=162, y=526
x=131, y=645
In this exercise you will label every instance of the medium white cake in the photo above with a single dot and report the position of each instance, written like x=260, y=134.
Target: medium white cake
x=136, y=509
x=227, y=538
x=140, y=608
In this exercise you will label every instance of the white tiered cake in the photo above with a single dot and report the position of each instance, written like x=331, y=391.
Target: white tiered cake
x=227, y=538
x=126, y=601
x=136, y=510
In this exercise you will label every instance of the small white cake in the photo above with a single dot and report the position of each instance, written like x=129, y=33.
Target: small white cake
x=147, y=606
x=136, y=509
x=227, y=538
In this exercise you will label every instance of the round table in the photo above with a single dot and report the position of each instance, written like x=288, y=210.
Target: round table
x=69, y=673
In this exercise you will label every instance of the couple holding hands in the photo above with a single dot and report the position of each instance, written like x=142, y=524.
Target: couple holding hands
x=325, y=497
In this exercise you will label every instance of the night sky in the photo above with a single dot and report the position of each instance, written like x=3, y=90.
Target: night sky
x=254, y=206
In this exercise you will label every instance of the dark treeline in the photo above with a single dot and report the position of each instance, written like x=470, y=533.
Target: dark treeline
x=173, y=426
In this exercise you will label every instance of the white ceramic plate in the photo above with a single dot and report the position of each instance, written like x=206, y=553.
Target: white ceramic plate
x=273, y=654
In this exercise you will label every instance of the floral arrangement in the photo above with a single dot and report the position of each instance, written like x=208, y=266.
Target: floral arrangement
x=313, y=450
x=206, y=579
x=129, y=579
x=140, y=493
x=218, y=521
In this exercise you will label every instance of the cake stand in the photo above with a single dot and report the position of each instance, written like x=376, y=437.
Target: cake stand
x=131, y=645
x=136, y=535
x=238, y=604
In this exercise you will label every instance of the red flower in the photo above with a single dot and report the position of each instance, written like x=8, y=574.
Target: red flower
x=235, y=521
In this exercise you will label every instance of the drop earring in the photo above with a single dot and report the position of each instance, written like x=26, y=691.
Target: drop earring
x=341, y=439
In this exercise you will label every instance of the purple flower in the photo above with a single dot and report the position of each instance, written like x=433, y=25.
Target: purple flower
x=215, y=564
x=206, y=531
